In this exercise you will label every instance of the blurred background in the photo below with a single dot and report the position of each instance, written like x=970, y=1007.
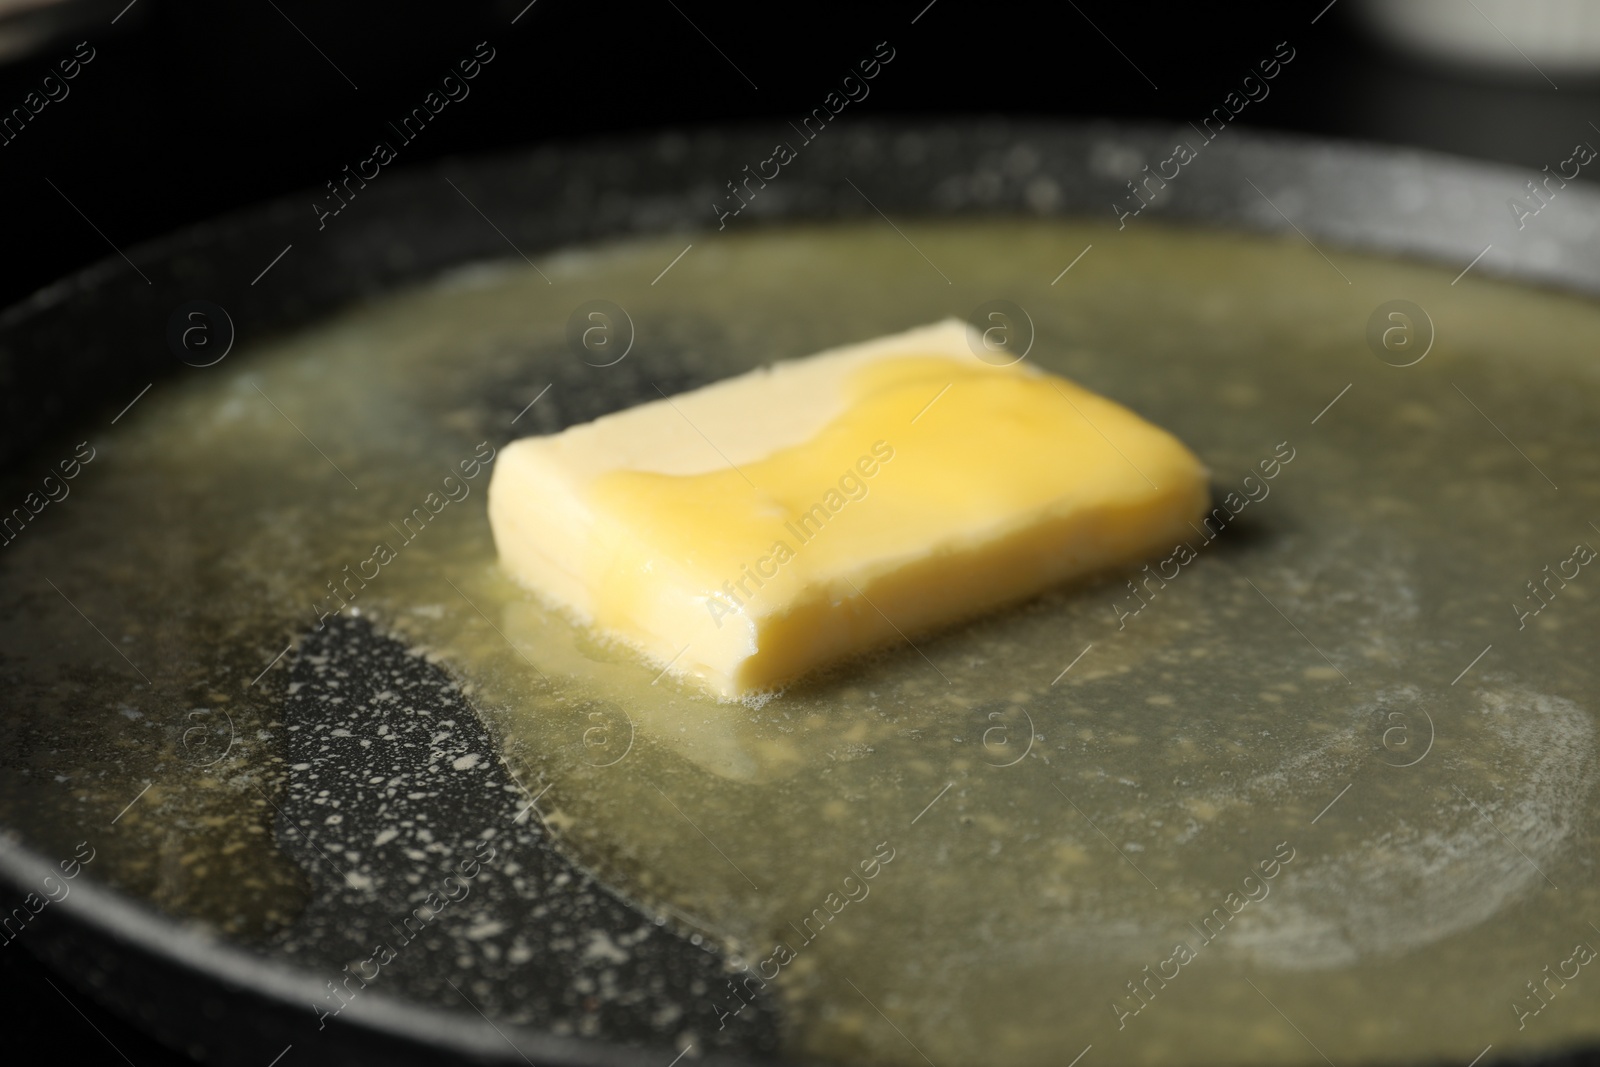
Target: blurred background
x=122, y=121
x=190, y=109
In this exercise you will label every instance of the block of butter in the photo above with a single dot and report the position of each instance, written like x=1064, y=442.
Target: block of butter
x=749, y=531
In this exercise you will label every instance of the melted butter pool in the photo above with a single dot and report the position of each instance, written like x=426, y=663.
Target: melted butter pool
x=1067, y=792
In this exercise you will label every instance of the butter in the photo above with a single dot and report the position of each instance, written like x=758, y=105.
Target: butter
x=747, y=532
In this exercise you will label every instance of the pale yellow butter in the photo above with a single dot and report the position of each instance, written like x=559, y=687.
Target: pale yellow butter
x=749, y=531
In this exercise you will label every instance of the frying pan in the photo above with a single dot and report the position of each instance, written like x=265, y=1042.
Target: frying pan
x=77, y=352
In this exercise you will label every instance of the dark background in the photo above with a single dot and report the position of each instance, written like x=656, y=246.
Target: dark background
x=190, y=110
x=193, y=109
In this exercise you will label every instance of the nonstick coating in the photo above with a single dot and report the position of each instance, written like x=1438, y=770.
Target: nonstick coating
x=80, y=349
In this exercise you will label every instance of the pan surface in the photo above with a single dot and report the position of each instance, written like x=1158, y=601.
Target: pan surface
x=374, y=837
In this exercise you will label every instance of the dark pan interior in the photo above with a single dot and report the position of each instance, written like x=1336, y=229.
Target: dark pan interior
x=80, y=350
